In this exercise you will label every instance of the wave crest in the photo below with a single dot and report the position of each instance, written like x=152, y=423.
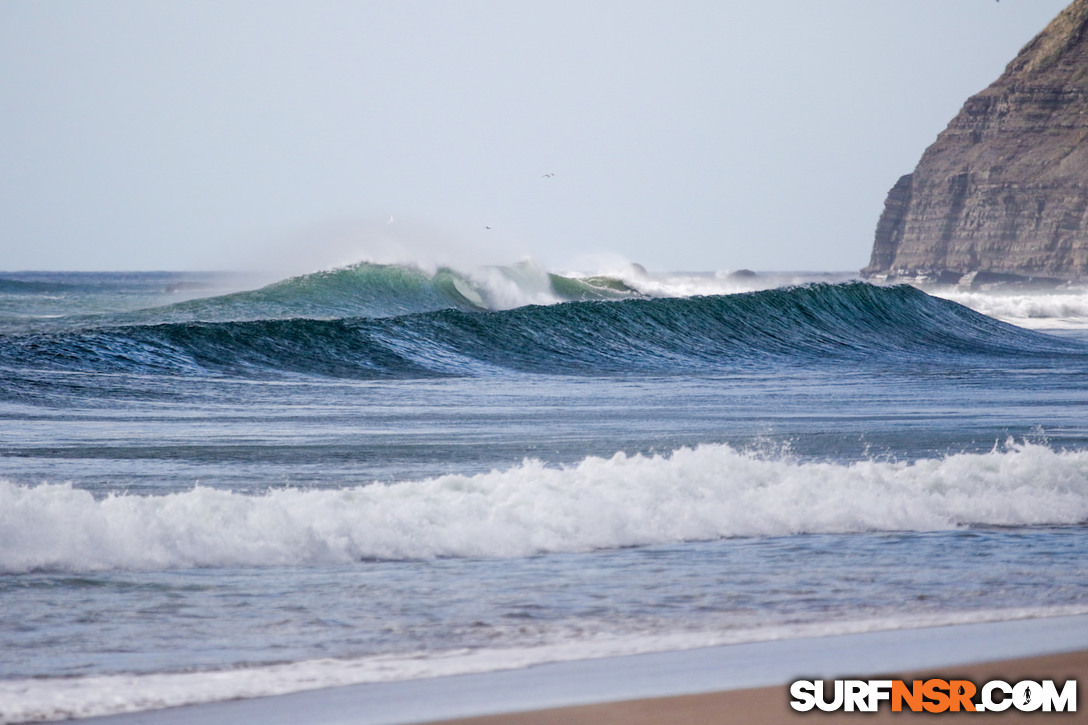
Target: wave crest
x=382, y=290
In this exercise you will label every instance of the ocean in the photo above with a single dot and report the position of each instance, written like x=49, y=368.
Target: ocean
x=386, y=472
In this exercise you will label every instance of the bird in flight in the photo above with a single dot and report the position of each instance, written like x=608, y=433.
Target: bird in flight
x=547, y=175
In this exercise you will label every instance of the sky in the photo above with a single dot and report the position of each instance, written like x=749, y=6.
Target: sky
x=694, y=135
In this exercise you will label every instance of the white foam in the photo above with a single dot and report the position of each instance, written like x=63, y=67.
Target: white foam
x=1065, y=309
x=505, y=288
x=686, y=284
x=701, y=493
x=43, y=699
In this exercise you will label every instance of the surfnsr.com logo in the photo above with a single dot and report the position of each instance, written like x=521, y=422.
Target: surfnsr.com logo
x=933, y=695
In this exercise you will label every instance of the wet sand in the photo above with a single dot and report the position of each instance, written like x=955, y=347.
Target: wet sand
x=770, y=705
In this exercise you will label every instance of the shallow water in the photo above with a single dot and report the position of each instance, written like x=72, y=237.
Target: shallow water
x=177, y=620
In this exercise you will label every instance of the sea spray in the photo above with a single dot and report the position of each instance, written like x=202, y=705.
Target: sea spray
x=707, y=492
x=378, y=290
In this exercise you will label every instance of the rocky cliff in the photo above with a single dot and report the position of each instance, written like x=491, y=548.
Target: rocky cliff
x=1003, y=191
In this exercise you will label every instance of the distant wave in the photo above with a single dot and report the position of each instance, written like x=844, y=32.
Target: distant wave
x=814, y=324
x=1039, y=309
x=380, y=290
x=359, y=290
x=703, y=493
x=28, y=287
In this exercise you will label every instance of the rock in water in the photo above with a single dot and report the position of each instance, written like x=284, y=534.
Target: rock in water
x=1003, y=191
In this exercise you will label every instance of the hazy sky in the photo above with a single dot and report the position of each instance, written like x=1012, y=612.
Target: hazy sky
x=698, y=135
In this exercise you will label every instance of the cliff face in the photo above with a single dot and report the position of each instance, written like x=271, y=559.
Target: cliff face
x=1004, y=189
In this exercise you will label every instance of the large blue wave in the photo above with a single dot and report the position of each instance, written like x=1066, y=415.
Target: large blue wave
x=854, y=323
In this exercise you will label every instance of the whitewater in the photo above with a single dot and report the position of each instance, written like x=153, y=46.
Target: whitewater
x=211, y=489
x=697, y=494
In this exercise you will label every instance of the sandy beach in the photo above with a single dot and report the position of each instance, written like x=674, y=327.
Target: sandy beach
x=744, y=683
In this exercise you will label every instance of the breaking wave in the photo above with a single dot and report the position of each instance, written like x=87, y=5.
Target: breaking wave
x=1054, y=309
x=703, y=493
x=814, y=324
x=380, y=290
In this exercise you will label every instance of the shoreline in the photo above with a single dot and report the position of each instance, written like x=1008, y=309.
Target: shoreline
x=770, y=705
x=655, y=681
